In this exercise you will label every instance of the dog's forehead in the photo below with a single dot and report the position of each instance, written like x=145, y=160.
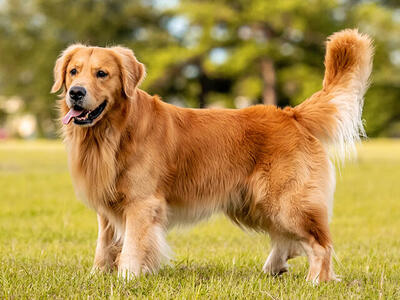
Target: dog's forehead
x=94, y=56
x=80, y=56
x=102, y=56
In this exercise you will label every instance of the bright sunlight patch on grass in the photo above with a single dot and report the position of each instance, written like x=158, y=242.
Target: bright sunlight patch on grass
x=47, y=238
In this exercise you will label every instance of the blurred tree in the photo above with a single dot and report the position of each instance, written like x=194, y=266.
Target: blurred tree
x=33, y=32
x=272, y=52
x=202, y=52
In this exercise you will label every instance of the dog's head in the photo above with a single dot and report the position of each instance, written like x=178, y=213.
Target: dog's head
x=94, y=79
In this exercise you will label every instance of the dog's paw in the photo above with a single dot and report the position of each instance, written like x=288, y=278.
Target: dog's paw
x=316, y=280
x=313, y=281
x=101, y=268
x=127, y=274
x=129, y=270
x=95, y=270
x=336, y=278
x=275, y=269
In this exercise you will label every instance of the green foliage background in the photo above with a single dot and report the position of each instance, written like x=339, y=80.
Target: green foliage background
x=200, y=53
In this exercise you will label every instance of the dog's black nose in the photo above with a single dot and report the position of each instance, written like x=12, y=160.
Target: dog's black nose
x=77, y=93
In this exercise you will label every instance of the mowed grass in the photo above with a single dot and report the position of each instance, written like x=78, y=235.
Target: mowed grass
x=47, y=238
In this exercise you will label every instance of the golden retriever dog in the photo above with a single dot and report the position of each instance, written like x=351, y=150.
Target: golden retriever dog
x=145, y=165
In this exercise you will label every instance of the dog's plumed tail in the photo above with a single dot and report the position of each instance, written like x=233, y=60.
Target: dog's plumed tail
x=333, y=114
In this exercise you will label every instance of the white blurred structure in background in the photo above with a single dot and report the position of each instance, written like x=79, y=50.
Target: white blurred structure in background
x=14, y=121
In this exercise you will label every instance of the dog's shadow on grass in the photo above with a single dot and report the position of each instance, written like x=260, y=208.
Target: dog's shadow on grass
x=195, y=276
x=190, y=274
x=212, y=271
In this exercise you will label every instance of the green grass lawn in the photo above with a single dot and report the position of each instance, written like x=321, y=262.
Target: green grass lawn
x=47, y=238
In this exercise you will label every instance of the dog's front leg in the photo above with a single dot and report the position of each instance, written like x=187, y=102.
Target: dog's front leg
x=106, y=252
x=144, y=243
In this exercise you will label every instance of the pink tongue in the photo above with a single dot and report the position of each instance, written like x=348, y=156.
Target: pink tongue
x=72, y=113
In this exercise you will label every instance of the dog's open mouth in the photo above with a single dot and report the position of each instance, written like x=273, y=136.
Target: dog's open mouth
x=84, y=117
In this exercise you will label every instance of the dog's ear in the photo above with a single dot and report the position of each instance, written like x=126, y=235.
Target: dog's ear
x=132, y=71
x=61, y=65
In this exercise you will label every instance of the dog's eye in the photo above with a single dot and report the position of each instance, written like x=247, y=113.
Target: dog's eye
x=73, y=72
x=101, y=74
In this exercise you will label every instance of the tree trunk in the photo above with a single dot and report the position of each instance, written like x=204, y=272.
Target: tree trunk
x=203, y=91
x=269, y=80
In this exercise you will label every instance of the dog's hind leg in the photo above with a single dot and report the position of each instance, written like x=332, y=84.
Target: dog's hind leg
x=300, y=219
x=320, y=259
x=283, y=248
x=307, y=221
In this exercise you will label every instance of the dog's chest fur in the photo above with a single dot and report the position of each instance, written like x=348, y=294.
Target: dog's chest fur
x=92, y=165
x=104, y=172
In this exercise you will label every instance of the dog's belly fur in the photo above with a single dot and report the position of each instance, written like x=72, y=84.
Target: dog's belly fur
x=201, y=208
